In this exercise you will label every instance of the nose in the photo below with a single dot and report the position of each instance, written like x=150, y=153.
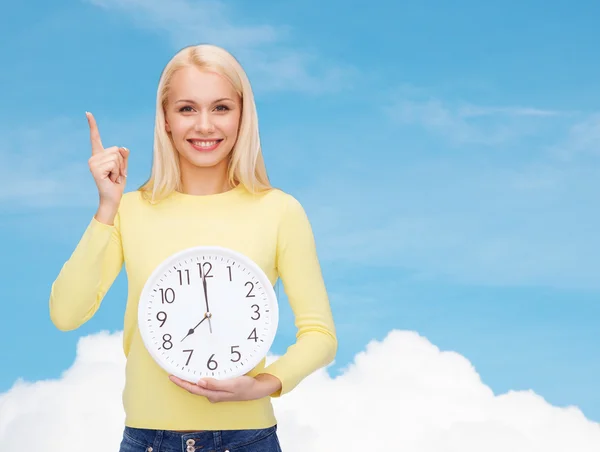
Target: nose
x=204, y=124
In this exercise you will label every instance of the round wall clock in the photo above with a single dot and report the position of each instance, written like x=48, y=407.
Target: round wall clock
x=208, y=311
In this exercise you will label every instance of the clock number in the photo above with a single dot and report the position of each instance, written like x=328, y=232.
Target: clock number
x=181, y=276
x=164, y=293
x=211, y=360
x=189, y=357
x=253, y=335
x=249, y=294
x=164, y=319
x=256, y=312
x=235, y=352
x=201, y=266
x=167, y=340
x=229, y=268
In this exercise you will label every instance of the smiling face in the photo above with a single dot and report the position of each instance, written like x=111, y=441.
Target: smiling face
x=202, y=115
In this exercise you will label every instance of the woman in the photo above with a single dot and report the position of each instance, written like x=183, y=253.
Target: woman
x=208, y=186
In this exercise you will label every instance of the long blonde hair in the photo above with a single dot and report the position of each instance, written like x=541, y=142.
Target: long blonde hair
x=246, y=163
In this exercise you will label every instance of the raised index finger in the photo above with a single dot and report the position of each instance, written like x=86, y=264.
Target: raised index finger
x=94, y=134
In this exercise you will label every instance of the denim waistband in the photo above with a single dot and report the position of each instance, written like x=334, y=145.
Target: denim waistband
x=202, y=441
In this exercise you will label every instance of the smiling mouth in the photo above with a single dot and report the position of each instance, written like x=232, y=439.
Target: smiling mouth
x=205, y=145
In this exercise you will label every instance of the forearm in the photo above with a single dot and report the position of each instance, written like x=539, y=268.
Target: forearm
x=268, y=384
x=106, y=213
x=311, y=352
x=300, y=272
x=85, y=277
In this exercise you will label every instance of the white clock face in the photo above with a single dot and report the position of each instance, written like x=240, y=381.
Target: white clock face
x=208, y=312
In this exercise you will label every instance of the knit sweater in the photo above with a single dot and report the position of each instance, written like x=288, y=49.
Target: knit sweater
x=272, y=229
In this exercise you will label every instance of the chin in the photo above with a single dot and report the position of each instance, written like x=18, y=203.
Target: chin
x=206, y=160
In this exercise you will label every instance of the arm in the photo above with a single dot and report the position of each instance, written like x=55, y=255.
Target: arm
x=300, y=271
x=84, y=279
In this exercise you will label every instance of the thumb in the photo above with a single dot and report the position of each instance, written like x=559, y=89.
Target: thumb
x=125, y=154
x=213, y=384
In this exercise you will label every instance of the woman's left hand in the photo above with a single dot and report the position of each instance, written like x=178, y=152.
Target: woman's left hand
x=234, y=389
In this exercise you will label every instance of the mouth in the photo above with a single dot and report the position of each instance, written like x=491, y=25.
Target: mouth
x=205, y=145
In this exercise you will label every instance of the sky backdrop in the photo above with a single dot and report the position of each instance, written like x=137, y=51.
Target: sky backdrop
x=448, y=157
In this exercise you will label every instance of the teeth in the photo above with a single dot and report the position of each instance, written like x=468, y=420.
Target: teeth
x=205, y=144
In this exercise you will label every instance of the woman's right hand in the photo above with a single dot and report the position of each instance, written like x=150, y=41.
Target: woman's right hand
x=108, y=167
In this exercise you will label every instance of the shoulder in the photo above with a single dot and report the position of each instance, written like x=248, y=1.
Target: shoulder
x=131, y=200
x=292, y=218
x=131, y=197
x=283, y=201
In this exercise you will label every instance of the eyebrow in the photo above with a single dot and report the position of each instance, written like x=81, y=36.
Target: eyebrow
x=214, y=102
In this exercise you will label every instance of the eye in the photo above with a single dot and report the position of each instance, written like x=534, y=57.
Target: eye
x=224, y=107
x=183, y=109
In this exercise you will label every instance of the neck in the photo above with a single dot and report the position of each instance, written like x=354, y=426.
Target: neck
x=204, y=181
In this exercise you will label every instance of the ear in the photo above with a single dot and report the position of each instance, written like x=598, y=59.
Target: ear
x=167, y=126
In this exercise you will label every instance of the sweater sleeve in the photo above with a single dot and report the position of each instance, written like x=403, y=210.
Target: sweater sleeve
x=300, y=272
x=86, y=276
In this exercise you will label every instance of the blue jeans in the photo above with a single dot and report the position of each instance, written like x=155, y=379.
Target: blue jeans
x=146, y=440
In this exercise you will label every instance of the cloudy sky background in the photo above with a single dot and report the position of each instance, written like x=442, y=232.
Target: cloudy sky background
x=448, y=157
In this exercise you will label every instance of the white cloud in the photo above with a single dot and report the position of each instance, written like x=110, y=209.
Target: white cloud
x=582, y=140
x=402, y=393
x=271, y=64
x=464, y=123
x=197, y=20
x=65, y=411
x=468, y=110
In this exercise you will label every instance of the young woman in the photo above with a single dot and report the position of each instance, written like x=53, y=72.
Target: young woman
x=208, y=186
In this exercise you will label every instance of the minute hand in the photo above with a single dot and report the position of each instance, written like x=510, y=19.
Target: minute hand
x=205, y=292
x=206, y=301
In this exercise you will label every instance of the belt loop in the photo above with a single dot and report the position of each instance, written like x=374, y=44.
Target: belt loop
x=158, y=440
x=218, y=440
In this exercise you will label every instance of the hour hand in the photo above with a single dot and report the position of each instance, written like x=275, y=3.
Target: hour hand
x=192, y=330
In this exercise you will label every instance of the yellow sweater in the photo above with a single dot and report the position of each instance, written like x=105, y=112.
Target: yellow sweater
x=271, y=229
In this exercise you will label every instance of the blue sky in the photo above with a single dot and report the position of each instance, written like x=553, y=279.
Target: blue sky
x=447, y=155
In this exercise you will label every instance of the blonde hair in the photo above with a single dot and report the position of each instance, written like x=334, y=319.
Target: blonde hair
x=246, y=164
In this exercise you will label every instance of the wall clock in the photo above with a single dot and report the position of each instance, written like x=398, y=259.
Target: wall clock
x=208, y=311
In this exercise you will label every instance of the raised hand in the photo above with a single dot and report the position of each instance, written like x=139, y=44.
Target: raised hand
x=108, y=167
